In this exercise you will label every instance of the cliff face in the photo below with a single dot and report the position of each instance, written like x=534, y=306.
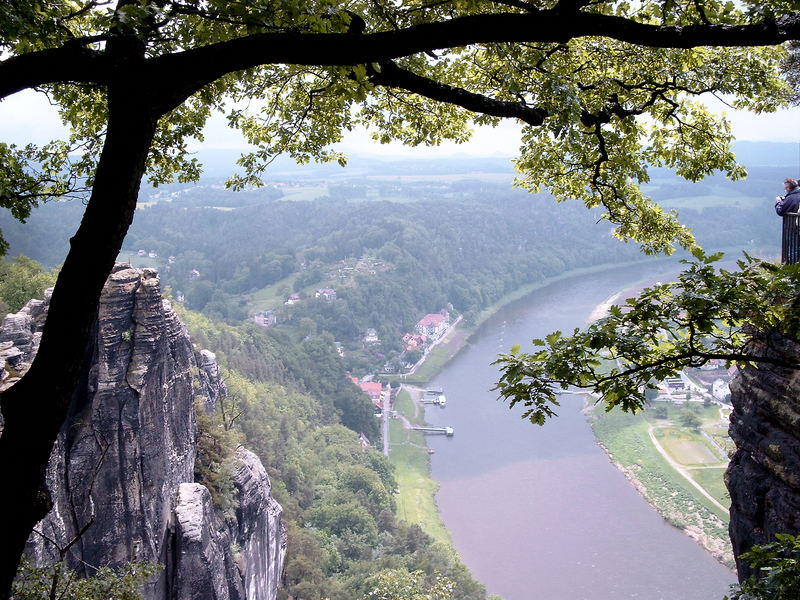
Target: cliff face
x=763, y=477
x=122, y=471
x=237, y=562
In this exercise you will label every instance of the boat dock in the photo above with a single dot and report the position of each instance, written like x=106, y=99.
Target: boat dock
x=448, y=431
x=434, y=396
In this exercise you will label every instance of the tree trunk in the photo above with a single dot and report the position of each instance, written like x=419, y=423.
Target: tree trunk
x=35, y=408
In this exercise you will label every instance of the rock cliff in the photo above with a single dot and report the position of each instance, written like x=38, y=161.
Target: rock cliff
x=122, y=471
x=763, y=477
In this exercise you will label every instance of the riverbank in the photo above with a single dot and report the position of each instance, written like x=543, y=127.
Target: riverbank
x=628, y=441
x=408, y=450
x=545, y=504
x=683, y=481
x=458, y=336
x=409, y=454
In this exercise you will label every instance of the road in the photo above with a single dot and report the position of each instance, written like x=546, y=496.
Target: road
x=386, y=401
x=436, y=342
x=679, y=468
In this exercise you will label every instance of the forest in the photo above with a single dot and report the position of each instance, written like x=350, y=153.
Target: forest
x=337, y=496
x=463, y=244
x=444, y=241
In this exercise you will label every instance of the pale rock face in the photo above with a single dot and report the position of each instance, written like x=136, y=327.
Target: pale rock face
x=260, y=537
x=248, y=555
x=763, y=477
x=212, y=386
x=126, y=456
x=204, y=565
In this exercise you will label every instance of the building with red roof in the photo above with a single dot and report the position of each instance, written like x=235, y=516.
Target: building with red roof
x=373, y=389
x=432, y=325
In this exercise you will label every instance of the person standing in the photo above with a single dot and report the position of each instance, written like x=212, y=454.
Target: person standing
x=790, y=203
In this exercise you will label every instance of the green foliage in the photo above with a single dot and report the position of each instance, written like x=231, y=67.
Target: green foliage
x=690, y=419
x=338, y=497
x=777, y=571
x=59, y=582
x=213, y=467
x=22, y=279
x=660, y=412
x=393, y=584
x=668, y=327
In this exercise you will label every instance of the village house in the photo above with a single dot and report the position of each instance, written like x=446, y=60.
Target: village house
x=389, y=367
x=373, y=389
x=326, y=293
x=674, y=384
x=371, y=336
x=432, y=325
x=414, y=341
x=265, y=318
x=721, y=390
x=292, y=299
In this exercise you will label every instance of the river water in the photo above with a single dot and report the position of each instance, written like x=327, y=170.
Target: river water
x=540, y=512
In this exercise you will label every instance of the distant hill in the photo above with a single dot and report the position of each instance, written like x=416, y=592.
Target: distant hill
x=770, y=154
x=222, y=162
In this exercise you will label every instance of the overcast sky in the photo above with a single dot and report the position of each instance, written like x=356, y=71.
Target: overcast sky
x=27, y=117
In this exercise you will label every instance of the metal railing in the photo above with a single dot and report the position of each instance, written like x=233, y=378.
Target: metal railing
x=790, y=245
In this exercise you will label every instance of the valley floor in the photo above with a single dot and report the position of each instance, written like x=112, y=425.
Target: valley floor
x=678, y=469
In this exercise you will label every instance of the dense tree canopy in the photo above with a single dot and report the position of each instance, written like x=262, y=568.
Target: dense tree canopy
x=577, y=73
x=603, y=88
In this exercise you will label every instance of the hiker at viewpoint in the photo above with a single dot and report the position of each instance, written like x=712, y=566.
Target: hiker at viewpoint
x=790, y=203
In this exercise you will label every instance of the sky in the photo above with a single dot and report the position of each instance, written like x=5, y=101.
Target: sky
x=27, y=117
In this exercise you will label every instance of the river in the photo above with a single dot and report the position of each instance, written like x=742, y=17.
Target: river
x=540, y=512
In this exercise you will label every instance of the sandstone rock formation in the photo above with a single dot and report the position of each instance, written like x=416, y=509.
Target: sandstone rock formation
x=122, y=470
x=763, y=477
x=251, y=569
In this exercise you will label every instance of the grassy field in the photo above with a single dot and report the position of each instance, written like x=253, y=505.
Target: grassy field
x=272, y=296
x=687, y=448
x=712, y=480
x=438, y=357
x=304, y=192
x=627, y=440
x=416, y=496
x=721, y=437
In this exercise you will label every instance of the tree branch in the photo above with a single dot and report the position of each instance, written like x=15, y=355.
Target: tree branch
x=687, y=356
x=186, y=72
x=71, y=62
x=390, y=75
x=180, y=74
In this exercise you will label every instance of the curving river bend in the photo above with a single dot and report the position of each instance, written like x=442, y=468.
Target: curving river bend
x=540, y=512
